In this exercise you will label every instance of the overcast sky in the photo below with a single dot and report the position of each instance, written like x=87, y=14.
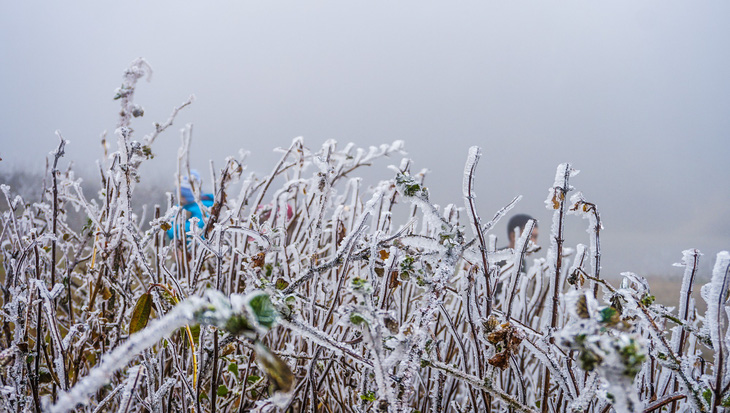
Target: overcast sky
x=635, y=94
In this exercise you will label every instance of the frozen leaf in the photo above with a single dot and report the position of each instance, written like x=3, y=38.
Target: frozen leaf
x=262, y=309
x=281, y=284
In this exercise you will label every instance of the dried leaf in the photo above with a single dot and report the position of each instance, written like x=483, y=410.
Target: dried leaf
x=515, y=338
x=581, y=307
x=105, y=292
x=229, y=349
x=394, y=281
x=558, y=197
x=500, y=360
x=141, y=313
x=258, y=260
x=341, y=233
x=391, y=324
x=497, y=336
x=491, y=323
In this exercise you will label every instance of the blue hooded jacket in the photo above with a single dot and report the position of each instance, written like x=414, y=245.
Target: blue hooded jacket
x=187, y=199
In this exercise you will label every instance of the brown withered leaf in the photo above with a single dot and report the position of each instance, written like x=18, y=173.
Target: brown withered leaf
x=507, y=338
x=391, y=324
x=341, y=233
x=490, y=324
x=500, y=359
x=576, y=278
x=105, y=292
x=258, y=260
x=558, y=196
x=581, y=307
x=394, y=281
x=497, y=336
x=383, y=254
x=7, y=356
x=515, y=338
x=229, y=349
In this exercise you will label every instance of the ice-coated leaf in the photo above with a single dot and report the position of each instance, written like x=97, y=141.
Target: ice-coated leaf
x=262, y=310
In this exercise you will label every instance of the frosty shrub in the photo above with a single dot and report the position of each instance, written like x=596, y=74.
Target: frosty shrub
x=310, y=290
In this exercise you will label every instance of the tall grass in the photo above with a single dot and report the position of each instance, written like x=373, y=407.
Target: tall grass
x=310, y=290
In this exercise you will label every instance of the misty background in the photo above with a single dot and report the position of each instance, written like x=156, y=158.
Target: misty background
x=636, y=95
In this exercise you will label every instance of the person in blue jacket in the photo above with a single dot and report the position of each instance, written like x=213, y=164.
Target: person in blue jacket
x=187, y=201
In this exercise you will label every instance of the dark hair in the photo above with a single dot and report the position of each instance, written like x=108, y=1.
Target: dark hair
x=519, y=220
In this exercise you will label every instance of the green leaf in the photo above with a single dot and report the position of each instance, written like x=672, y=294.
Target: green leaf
x=647, y=299
x=609, y=315
x=237, y=325
x=253, y=379
x=357, y=319
x=368, y=397
x=707, y=395
x=141, y=313
x=281, y=284
x=233, y=368
x=262, y=309
x=361, y=285
x=222, y=390
x=195, y=330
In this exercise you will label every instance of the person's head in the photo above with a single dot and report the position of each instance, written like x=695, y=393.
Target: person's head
x=519, y=221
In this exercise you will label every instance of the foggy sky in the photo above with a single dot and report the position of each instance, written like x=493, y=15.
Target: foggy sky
x=634, y=94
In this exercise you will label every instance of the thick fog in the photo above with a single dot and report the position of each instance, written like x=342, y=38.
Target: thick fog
x=634, y=94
